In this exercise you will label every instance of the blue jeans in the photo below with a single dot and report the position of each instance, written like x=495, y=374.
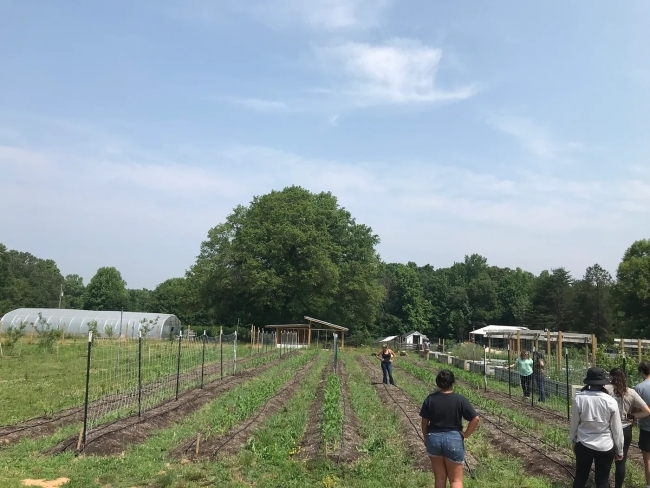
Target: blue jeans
x=446, y=444
x=541, y=387
x=387, y=369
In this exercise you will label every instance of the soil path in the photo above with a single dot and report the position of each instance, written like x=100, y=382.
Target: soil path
x=349, y=449
x=311, y=443
x=408, y=413
x=113, y=438
x=232, y=441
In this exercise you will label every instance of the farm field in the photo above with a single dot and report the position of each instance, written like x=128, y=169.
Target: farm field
x=294, y=421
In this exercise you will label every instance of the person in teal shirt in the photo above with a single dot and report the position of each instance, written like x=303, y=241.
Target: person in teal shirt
x=525, y=369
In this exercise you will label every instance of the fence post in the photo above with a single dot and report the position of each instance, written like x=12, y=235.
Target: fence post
x=568, y=393
x=485, y=366
x=532, y=380
x=509, y=372
x=221, y=348
x=640, y=349
x=139, y=373
x=336, y=351
x=85, y=427
x=234, y=362
x=594, y=349
x=258, y=341
x=203, y=358
x=178, y=363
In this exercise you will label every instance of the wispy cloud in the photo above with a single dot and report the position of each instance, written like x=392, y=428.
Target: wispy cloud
x=534, y=137
x=401, y=71
x=261, y=105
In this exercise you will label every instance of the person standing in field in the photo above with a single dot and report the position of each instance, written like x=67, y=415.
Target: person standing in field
x=386, y=357
x=596, y=431
x=525, y=369
x=442, y=416
x=628, y=401
x=540, y=375
x=643, y=389
x=426, y=348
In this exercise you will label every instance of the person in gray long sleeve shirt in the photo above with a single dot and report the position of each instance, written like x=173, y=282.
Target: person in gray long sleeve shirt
x=596, y=430
x=643, y=389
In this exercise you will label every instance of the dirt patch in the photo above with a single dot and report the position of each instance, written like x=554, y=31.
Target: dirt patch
x=232, y=441
x=46, y=484
x=349, y=449
x=114, y=437
x=409, y=414
x=311, y=443
x=47, y=424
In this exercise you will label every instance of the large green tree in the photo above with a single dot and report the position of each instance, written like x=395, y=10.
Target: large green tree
x=406, y=307
x=288, y=254
x=73, y=291
x=176, y=296
x=633, y=289
x=106, y=291
x=592, y=311
x=551, y=301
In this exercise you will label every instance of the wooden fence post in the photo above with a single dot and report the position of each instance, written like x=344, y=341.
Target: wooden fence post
x=559, y=350
x=640, y=349
x=594, y=349
x=518, y=342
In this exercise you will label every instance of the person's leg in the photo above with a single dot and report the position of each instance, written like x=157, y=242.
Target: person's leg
x=603, y=461
x=584, y=460
x=522, y=380
x=644, y=445
x=619, y=474
x=439, y=471
x=454, y=474
x=389, y=367
x=384, y=371
x=527, y=381
x=541, y=387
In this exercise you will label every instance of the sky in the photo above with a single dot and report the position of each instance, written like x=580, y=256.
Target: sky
x=516, y=130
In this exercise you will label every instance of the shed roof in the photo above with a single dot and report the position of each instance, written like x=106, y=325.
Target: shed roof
x=496, y=329
x=322, y=322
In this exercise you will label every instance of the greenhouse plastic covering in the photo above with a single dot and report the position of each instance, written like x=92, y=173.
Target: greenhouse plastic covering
x=124, y=324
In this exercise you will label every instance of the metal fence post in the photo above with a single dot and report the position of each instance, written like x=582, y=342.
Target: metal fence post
x=139, y=373
x=509, y=372
x=85, y=427
x=336, y=351
x=568, y=394
x=532, y=380
x=485, y=366
x=234, y=362
x=178, y=364
x=203, y=358
x=221, y=347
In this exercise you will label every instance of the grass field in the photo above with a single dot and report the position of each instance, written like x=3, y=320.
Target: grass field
x=286, y=424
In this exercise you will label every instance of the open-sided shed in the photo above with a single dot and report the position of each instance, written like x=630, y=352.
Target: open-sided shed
x=313, y=331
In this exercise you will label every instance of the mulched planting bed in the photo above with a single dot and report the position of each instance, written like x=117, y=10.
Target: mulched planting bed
x=113, y=438
x=232, y=441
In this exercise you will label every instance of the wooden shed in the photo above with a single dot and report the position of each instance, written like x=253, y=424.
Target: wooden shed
x=314, y=331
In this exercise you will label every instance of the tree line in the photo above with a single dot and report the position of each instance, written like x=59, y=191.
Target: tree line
x=292, y=253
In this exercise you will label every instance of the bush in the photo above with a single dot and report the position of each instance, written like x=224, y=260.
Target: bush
x=467, y=351
x=14, y=334
x=47, y=336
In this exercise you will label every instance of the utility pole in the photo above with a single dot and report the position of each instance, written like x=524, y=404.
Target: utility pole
x=61, y=295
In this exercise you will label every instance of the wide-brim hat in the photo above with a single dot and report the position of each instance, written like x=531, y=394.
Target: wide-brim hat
x=596, y=377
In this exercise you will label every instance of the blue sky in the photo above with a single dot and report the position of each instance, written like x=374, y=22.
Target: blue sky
x=516, y=130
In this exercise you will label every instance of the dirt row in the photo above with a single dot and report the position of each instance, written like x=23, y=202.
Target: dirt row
x=45, y=425
x=114, y=437
x=349, y=449
x=537, y=456
x=232, y=441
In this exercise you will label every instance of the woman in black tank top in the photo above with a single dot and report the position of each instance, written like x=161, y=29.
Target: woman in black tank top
x=386, y=357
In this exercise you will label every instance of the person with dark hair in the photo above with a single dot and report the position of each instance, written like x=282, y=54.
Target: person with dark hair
x=525, y=369
x=442, y=415
x=643, y=389
x=386, y=357
x=540, y=375
x=628, y=401
x=596, y=431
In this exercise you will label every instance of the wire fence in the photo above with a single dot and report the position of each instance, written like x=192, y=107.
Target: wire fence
x=126, y=377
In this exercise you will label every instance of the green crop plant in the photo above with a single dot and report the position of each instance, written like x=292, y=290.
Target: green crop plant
x=332, y=413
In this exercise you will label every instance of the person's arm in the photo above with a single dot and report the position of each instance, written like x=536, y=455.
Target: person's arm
x=513, y=364
x=638, y=402
x=471, y=427
x=575, y=421
x=617, y=432
x=424, y=424
x=392, y=355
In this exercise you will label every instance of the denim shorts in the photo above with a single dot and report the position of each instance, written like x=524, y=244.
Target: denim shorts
x=447, y=444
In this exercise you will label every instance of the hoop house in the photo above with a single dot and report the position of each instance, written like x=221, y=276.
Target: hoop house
x=125, y=324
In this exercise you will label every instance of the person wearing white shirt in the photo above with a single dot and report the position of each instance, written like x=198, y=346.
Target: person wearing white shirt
x=596, y=431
